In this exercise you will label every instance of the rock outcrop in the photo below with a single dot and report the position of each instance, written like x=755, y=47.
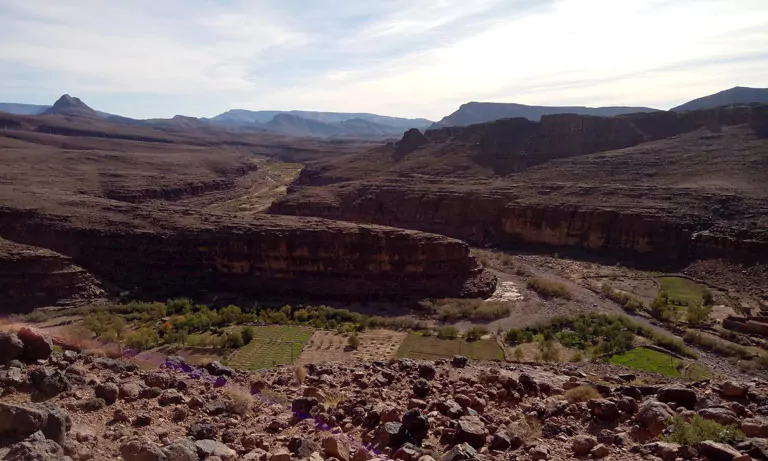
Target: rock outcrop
x=33, y=277
x=272, y=256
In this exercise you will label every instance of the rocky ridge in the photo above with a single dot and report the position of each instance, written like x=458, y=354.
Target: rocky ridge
x=100, y=408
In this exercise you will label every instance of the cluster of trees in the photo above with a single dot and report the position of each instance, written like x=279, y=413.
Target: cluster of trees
x=696, y=313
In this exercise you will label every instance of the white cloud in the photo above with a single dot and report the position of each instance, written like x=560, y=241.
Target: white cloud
x=408, y=58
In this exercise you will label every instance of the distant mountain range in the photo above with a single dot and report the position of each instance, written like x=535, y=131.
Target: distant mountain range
x=481, y=112
x=736, y=95
x=365, y=125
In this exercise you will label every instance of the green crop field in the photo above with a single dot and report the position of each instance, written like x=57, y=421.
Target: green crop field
x=648, y=360
x=682, y=290
x=429, y=347
x=272, y=345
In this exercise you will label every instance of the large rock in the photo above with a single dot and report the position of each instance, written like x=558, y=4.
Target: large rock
x=463, y=452
x=471, y=430
x=583, y=444
x=107, y=391
x=388, y=435
x=720, y=415
x=755, y=427
x=678, y=396
x=415, y=424
x=336, y=447
x=302, y=447
x=142, y=450
x=37, y=345
x=181, y=450
x=653, y=417
x=11, y=348
x=217, y=369
x=212, y=448
x=718, y=451
x=302, y=407
x=421, y=388
x=49, y=383
x=21, y=421
x=36, y=448
x=603, y=409
x=733, y=389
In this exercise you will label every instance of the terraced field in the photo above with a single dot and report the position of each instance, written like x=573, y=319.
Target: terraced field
x=272, y=345
x=430, y=348
x=329, y=346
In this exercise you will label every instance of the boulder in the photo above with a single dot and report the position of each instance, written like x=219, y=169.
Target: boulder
x=539, y=453
x=11, y=348
x=679, y=396
x=141, y=450
x=462, y=452
x=459, y=361
x=37, y=345
x=170, y=397
x=427, y=371
x=107, y=391
x=416, y=425
x=653, y=417
x=19, y=422
x=388, y=435
x=202, y=431
x=49, y=383
x=583, y=444
x=207, y=449
x=718, y=451
x=336, y=447
x=501, y=441
x=600, y=451
x=302, y=448
x=720, y=415
x=754, y=427
x=181, y=450
x=471, y=430
x=302, y=407
x=732, y=389
x=421, y=388
x=603, y=409
x=36, y=448
x=217, y=369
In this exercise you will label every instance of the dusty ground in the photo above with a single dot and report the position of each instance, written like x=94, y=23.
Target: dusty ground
x=329, y=346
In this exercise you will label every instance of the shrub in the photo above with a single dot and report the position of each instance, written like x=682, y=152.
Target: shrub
x=300, y=373
x=708, y=298
x=452, y=310
x=242, y=399
x=548, y=288
x=581, y=394
x=661, y=308
x=698, y=314
x=577, y=357
x=447, y=332
x=699, y=429
x=475, y=333
x=143, y=339
x=247, y=335
x=518, y=354
x=549, y=352
x=715, y=345
x=233, y=341
x=353, y=341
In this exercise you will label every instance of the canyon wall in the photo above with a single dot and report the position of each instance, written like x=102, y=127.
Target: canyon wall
x=33, y=277
x=273, y=256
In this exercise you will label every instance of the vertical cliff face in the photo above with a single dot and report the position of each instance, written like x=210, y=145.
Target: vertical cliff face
x=275, y=256
x=33, y=277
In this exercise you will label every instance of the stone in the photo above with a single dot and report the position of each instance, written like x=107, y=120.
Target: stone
x=653, y=417
x=462, y=452
x=427, y=371
x=388, y=435
x=202, y=431
x=170, y=397
x=213, y=448
x=142, y=420
x=36, y=448
x=732, y=389
x=107, y=391
x=37, y=345
x=449, y=408
x=89, y=405
x=141, y=450
x=678, y=396
x=21, y=421
x=130, y=391
x=603, y=409
x=583, y=444
x=281, y=454
x=754, y=427
x=302, y=447
x=181, y=450
x=600, y=451
x=13, y=377
x=179, y=414
x=336, y=447
x=49, y=383
x=302, y=407
x=459, y=361
x=718, y=451
x=11, y=348
x=120, y=416
x=421, y=388
x=407, y=452
x=720, y=415
x=256, y=455
x=501, y=441
x=415, y=424
x=217, y=369
x=539, y=453
x=361, y=454
x=471, y=430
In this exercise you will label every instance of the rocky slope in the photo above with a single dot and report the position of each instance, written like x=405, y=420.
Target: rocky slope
x=33, y=277
x=102, y=409
x=660, y=186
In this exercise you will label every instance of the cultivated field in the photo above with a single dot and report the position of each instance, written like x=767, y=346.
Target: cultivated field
x=329, y=346
x=431, y=348
x=272, y=345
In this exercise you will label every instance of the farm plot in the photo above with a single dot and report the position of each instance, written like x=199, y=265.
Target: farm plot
x=429, y=348
x=272, y=345
x=329, y=346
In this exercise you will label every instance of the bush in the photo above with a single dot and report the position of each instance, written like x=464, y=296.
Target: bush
x=233, y=341
x=577, y=357
x=447, y=332
x=353, y=341
x=518, y=354
x=247, y=334
x=698, y=314
x=661, y=308
x=300, y=373
x=548, y=288
x=143, y=339
x=699, y=429
x=549, y=352
x=581, y=394
x=708, y=298
x=452, y=310
x=475, y=333
x=715, y=345
x=242, y=399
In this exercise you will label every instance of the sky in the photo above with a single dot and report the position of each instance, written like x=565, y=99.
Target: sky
x=408, y=58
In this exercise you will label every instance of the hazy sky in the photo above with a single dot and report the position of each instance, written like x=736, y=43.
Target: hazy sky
x=414, y=58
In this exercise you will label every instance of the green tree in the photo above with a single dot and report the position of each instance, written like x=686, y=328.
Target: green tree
x=697, y=314
x=247, y=335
